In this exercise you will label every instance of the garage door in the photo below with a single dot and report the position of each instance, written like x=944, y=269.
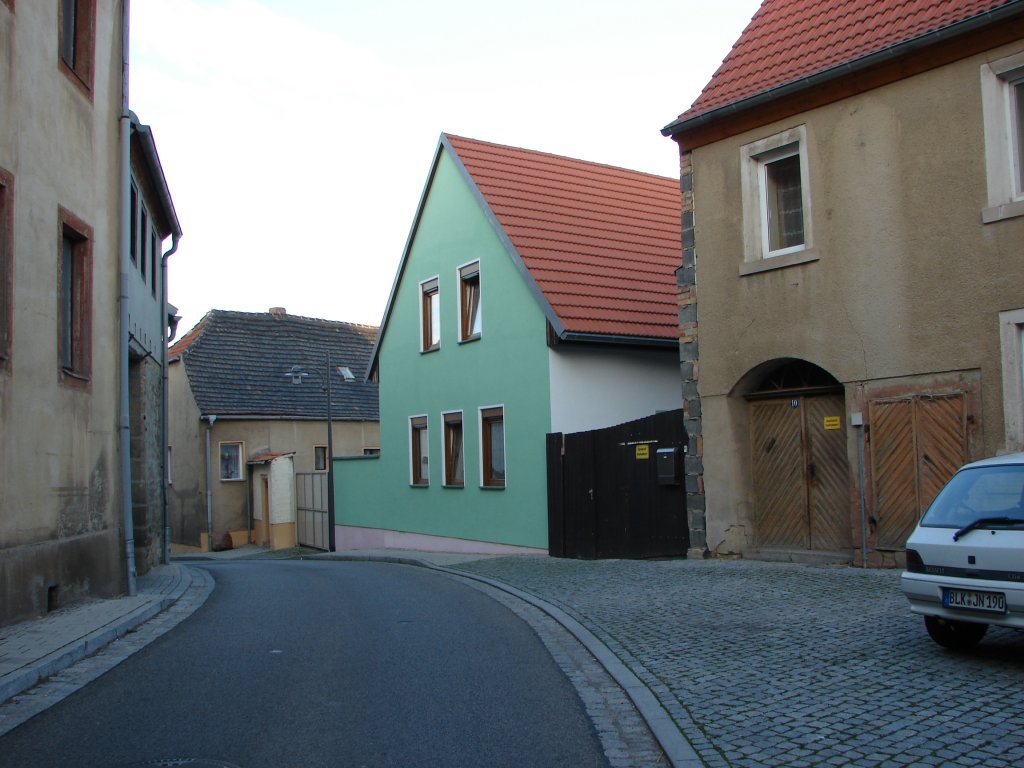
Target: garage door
x=917, y=443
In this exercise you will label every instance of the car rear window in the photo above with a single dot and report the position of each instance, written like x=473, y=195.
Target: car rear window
x=992, y=491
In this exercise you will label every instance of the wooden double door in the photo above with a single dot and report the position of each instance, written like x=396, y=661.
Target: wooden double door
x=917, y=443
x=801, y=473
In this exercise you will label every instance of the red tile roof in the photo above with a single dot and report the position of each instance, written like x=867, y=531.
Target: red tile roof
x=788, y=40
x=601, y=243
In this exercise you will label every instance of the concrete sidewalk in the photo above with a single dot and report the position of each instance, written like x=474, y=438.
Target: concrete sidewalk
x=36, y=649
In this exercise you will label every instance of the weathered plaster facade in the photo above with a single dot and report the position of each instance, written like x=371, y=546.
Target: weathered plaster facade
x=898, y=295
x=60, y=535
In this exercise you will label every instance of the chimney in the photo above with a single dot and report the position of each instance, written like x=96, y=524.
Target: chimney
x=278, y=311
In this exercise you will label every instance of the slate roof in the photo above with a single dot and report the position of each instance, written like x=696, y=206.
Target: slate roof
x=790, y=40
x=236, y=364
x=600, y=243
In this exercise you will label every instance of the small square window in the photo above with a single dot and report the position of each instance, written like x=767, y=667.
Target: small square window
x=419, y=451
x=776, y=204
x=492, y=443
x=1002, y=91
x=231, y=465
x=430, y=316
x=454, y=463
x=320, y=458
x=470, y=324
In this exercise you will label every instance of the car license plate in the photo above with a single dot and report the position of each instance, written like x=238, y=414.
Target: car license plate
x=969, y=600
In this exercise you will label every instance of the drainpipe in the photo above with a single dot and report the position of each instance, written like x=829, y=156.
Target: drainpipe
x=209, y=483
x=166, y=556
x=124, y=427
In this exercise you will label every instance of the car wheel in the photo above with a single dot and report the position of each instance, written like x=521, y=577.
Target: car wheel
x=954, y=635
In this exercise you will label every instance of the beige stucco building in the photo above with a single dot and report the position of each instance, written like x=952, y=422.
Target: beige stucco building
x=249, y=448
x=84, y=210
x=852, y=293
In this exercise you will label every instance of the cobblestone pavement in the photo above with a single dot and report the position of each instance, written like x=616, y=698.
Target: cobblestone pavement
x=768, y=664
x=625, y=738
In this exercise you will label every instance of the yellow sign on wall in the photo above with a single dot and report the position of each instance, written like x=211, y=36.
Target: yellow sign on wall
x=833, y=422
x=643, y=451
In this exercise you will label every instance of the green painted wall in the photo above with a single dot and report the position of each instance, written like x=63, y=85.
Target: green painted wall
x=507, y=366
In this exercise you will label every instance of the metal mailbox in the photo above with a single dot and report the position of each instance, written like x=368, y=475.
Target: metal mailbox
x=669, y=466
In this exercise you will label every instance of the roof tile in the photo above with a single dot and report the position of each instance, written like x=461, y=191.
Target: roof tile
x=788, y=40
x=237, y=364
x=602, y=243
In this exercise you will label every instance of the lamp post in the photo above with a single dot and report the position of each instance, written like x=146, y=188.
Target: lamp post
x=297, y=374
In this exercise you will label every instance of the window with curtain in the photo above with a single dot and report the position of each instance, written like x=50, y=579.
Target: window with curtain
x=470, y=324
x=492, y=441
x=430, y=316
x=419, y=451
x=454, y=463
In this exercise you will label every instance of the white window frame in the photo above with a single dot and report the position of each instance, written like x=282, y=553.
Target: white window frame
x=471, y=336
x=1004, y=147
x=755, y=157
x=241, y=461
x=430, y=285
x=317, y=449
x=481, y=453
x=1011, y=337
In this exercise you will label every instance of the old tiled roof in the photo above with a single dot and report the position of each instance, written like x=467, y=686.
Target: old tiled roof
x=789, y=40
x=601, y=243
x=236, y=364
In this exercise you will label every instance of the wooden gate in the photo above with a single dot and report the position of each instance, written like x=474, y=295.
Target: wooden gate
x=604, y=494
x=917, y=443
x=311, y=510
x=801, y=473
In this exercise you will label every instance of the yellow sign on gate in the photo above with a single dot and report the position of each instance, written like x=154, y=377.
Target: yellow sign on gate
x=833, y=422
x=643, y=451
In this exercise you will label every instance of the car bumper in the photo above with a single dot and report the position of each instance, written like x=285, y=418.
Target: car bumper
x=925, y=595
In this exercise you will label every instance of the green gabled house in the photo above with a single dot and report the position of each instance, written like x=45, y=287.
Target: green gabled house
x=536, y=294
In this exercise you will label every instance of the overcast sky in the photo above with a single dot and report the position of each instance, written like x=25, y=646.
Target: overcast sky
x=296, y=135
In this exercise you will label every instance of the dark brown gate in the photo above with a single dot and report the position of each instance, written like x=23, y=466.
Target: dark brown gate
x=801, y=473
x=605, y=497
x=917, y=443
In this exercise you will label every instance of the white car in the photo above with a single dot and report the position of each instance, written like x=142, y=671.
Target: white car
x=965, y=559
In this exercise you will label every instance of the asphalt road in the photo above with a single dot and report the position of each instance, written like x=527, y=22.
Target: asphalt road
x=298, y=663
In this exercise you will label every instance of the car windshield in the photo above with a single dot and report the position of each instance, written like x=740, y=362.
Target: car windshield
x=979, y=492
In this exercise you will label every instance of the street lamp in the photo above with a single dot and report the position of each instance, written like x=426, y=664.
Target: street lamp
x=297, y=374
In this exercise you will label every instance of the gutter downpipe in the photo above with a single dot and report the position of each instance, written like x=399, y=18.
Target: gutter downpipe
x=124, y=426
x=166, y=555
x=209, y=479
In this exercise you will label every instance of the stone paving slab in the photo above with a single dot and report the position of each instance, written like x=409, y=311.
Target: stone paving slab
x=33, y=650
x=770, y=664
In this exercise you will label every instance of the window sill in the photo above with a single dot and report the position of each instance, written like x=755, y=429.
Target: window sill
x=419, y=485
x=74, y=380
x=778, y=262
x=492, y=487
x=468, y=339
x=1002, y=212
x=427, y=351
x=232, y=479
x=454, y=487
